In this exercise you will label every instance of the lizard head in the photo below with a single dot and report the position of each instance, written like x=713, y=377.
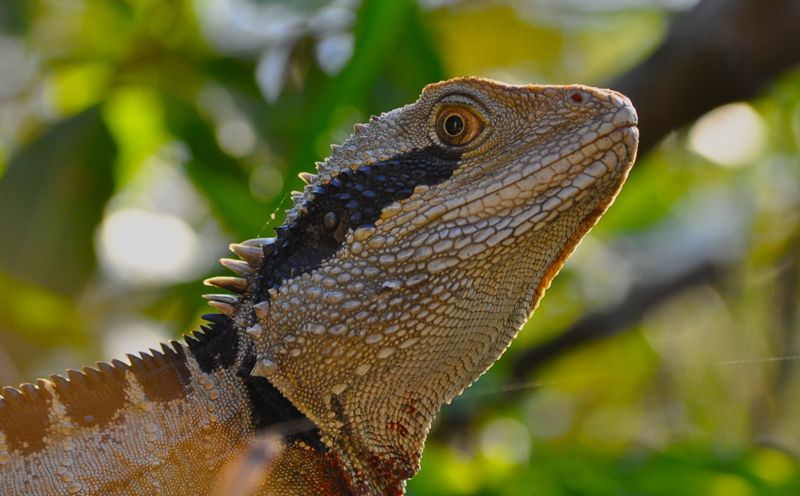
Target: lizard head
x=414, y=256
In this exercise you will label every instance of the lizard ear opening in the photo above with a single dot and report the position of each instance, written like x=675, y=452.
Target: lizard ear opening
x=458, y=125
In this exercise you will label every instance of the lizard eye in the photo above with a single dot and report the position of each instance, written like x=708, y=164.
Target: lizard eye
x=330, y=221
x=458, y=125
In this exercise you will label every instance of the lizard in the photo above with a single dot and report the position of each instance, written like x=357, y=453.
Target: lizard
x=403, y=270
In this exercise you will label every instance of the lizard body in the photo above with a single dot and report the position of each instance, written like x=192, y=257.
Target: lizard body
x=403, y=271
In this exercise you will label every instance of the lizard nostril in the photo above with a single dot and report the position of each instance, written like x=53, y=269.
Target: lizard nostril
x=579, y=96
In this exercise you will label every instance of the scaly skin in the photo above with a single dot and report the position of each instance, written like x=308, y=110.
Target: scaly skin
x=404, y=270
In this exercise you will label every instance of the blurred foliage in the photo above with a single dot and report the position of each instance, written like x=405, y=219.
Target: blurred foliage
x=201, y=114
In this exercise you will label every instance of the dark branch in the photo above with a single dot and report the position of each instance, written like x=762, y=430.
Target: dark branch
x=613, y=320
x=719, y=52
x=609, y=322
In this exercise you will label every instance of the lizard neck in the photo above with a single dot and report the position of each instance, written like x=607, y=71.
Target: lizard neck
x=223, y=349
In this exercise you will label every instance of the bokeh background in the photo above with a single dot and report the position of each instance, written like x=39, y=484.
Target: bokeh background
x=138, y=138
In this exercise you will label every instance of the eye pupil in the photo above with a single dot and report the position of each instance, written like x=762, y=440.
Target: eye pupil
x=330, y=221
x=454, y=125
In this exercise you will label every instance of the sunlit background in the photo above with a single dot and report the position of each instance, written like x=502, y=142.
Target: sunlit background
x=138, y=138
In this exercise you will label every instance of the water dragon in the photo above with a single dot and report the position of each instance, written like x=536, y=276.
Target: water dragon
x=402, y=272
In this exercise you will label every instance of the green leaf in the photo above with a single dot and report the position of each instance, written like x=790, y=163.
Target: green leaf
x=51, y=199
x=221, y=178
x=382, y=28
x=14, y=15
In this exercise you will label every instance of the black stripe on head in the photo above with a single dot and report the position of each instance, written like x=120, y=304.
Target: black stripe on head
x=93, y=397
x=270, y=409
x=356, y=198
x=163, y=377
x=216, y=346
x=24, y=417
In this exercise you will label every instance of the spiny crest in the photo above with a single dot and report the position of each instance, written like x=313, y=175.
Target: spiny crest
x=24, y=417
x=363, y=147
x=383, y=137
x=216, y=345
x=75, y=379
x=11, y=396
x=101, y=373
x=251, y=253
x=105, y=373
x=89, y=397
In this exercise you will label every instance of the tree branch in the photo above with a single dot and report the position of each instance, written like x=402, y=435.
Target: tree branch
x=592, y=327
x=719, y=52
x=613, y=320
